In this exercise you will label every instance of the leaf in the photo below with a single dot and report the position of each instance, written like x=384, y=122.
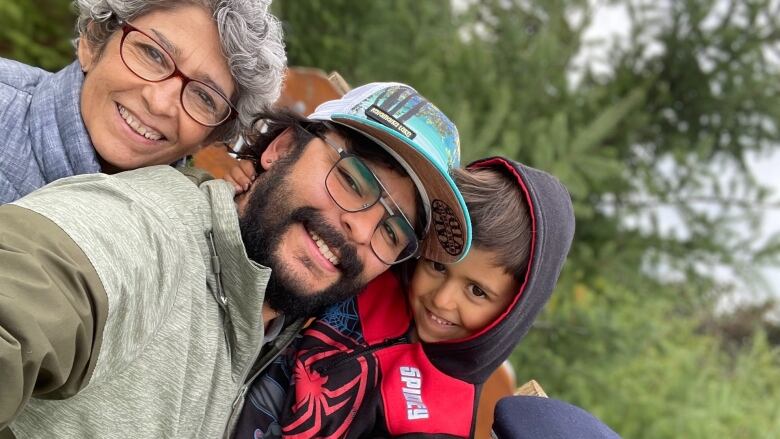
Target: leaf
x=495, y=122
x=595, y=133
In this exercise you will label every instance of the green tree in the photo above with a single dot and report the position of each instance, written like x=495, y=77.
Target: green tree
x=647, y=368
x=37, y=33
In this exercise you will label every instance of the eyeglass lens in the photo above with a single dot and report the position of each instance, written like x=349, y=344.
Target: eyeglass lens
x=144, y=57
x=353, y=187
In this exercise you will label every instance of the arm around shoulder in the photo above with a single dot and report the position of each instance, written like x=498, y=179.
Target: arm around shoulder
x=53, y=309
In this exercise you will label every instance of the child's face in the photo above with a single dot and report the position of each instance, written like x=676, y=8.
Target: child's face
x=455, y=301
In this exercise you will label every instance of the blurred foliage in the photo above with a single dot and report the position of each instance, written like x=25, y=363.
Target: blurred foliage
x=37, y=32
x=646, y=368
x=662, y=127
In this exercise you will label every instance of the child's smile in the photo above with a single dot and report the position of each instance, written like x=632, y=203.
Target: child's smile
x=458, y=300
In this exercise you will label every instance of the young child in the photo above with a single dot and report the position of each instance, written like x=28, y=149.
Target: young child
x=409, y=358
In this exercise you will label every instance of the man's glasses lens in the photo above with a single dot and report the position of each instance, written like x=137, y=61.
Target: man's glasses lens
x=354, y=187
x=394, y=240
x=144, y=57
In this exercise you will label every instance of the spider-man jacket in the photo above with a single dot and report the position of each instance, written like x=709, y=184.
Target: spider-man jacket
x=356, y=374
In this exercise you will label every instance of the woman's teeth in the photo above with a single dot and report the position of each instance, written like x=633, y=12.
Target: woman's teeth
x=440, y=320
x=137, y=126
x=324, y=248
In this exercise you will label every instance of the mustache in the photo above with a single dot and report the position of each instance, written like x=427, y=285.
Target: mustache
x=349, y=263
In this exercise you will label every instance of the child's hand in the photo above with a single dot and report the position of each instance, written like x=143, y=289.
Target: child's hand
x=241, y=175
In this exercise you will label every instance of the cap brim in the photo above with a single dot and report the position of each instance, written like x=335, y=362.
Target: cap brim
x=449, y=234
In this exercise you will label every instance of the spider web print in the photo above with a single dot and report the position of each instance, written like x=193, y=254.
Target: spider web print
x=344, y=318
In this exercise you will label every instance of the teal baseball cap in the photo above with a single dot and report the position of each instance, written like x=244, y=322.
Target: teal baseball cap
x=426, y=144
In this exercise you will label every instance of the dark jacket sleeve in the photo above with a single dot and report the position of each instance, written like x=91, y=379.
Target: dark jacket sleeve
x=52, y=312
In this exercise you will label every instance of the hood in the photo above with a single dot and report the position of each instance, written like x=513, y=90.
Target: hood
x=473, y=359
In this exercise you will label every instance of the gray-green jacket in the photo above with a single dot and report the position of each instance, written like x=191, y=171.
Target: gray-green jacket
x=128, y=308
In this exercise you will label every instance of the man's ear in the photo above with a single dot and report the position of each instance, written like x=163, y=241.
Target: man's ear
x=85, y=53
x=277, y=149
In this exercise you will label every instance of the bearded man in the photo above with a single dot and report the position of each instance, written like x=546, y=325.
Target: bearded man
x=139, y=304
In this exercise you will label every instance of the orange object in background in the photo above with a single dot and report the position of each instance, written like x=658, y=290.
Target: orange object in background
x=214, y=159
x=501, y=383
x=304, y=89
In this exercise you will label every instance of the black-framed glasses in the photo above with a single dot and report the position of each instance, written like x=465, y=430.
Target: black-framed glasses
x=148, y=60
x=354, y=187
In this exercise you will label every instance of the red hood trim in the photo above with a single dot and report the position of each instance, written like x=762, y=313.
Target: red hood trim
x=498, y=162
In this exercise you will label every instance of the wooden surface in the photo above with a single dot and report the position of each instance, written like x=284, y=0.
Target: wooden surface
x=531, y=388
x=214, y=159
x=500, y=384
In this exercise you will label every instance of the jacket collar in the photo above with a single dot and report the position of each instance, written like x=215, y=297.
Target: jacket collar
x=60, y=140
x=243, y=281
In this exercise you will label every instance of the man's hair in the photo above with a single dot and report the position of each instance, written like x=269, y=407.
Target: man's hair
x=499, y=216
x=250, y=36
x=269, y=125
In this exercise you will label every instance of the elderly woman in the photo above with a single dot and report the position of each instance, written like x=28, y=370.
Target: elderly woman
x=154, y=81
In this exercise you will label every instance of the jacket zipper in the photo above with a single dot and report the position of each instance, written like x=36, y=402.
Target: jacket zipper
x=227, y=328
x=247, y=383
x=220, y=296
x=367, y=350
x=241, y=393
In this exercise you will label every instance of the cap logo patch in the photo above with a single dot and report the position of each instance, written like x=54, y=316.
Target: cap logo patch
x=447, y=228
x=375, y=113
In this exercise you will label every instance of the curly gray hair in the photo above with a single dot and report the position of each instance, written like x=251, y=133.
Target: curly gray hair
x=251, y=38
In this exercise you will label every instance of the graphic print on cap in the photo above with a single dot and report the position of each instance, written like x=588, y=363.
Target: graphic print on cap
x=394, y=107
x=447, y=228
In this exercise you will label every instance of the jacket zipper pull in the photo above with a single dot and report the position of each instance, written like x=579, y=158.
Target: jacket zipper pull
x=322, y=370
x=220, y=296
x=394, y=341
x=216, y=268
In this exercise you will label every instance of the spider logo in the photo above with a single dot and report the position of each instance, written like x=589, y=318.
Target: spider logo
x=328, y=389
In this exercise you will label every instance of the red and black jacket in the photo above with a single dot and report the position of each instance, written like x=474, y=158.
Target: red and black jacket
x=357, y=375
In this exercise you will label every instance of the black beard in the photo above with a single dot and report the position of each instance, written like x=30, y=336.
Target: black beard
x=266, y=217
